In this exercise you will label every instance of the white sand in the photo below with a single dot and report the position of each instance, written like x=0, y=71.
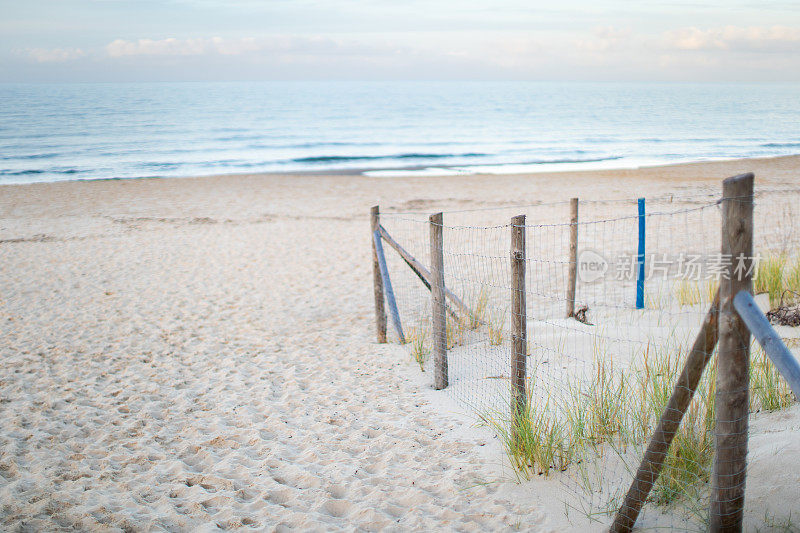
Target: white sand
x=199, y=354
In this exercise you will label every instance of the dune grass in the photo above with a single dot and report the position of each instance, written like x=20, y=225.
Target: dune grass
x=775, y=274
x=653, y=384
x=618, y=408
x=687, y=468
x=478, y=309
x=455, y=332
x=690, y=292
x=495, y=326
x=768, y=390
x=420, y=350
x=605, y=412
x=536, y=440
x=769, y=277
x=614, y=408
x=793, y=278
x=687, y=292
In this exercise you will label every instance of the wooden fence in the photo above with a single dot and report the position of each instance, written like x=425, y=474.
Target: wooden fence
x=728, y=323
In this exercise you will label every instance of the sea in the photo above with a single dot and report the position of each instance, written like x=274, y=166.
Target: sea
x=55, y=132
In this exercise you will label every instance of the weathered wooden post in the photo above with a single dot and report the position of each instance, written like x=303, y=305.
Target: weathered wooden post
x=573, y=256
x=519, y=320
x=440, y=378
x=732, y=397
x=377, y=280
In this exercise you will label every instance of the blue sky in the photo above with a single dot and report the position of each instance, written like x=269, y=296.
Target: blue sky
x=148, y=40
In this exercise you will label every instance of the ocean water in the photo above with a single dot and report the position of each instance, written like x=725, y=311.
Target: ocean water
x=51, y=132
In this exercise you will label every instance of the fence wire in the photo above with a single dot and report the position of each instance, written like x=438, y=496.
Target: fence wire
x=597, y=382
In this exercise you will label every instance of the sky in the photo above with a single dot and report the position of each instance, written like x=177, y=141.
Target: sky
x=564, y=40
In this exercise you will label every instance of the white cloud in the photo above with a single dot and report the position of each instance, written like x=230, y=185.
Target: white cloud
x=739, y=39
x=606, y=39
x=606, y=52
x=277, y=44
x=163, y=47
x=182, y=47
x=53, y=55
x=232, y=47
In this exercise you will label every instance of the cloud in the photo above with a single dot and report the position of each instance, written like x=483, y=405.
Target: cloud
x=163, y=47
x=775, y=39
x=53, y=55
x=605, y=39
x=277, y=44
x=604, y=52
x=181, y=47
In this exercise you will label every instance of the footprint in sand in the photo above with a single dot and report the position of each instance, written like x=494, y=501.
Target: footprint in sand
x=337, y=508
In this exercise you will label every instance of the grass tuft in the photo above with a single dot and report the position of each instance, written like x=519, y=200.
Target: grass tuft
x=477, y=313
x=419, y=347
x=689, y=292
x=455, y=333
x=793, y=277
x=540, y=443
x=606, y=409
x=769, y=277
x=495, y=328
x=687, y=468
x=769, y=391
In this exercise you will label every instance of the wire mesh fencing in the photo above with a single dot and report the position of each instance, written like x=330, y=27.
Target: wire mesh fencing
x=597, y=360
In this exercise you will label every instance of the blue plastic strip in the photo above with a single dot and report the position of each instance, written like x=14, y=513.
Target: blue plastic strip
x=769, y=339
x=640, y=259
x=387, y=287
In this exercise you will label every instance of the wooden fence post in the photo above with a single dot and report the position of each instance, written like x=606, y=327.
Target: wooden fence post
x=440, y=378
x=377, y=280
x=519, y=319
x=733, y=365
x=573, y=256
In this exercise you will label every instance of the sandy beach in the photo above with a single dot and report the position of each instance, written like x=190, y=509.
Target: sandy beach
x=199, y=353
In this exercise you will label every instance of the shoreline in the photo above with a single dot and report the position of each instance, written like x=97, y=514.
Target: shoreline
x=34, y=209
x=420, y=171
